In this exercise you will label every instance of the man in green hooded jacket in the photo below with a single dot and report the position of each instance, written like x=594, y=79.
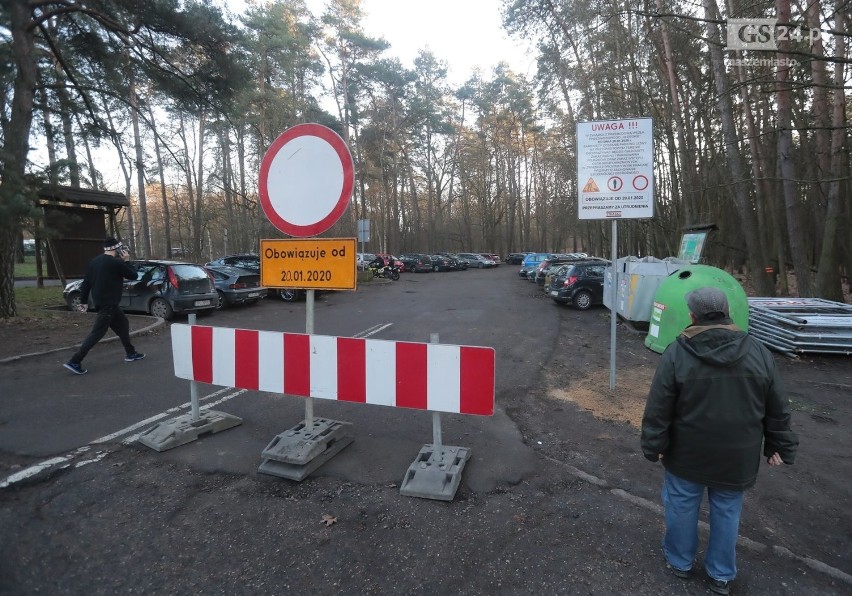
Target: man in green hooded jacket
x=716, y=398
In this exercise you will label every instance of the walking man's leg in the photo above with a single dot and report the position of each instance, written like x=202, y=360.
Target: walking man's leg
x=121, y=327
x=725, y=509
x=682, y=500
x=99, y=329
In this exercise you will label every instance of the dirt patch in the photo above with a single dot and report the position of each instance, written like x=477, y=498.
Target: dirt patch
x=593, y=394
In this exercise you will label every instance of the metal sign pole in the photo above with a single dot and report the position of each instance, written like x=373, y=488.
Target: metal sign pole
x=193, y=386
x=436, y=416
x=309, y=329
x=613, y=310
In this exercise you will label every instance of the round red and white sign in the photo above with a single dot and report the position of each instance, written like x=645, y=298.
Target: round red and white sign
x=306, y=180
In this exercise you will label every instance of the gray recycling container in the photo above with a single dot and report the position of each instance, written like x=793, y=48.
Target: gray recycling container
x=638, y=280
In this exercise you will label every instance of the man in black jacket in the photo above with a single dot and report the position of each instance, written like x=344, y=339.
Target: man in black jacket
x=715, y=399
x=105, y=277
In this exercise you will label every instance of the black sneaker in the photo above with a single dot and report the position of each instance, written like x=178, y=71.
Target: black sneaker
x=720, y=586
x=134, y=357
x=75, y=368
x=681, y=573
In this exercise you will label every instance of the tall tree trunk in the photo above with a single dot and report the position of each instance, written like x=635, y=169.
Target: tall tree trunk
x=690, y=190
x=145, y=253
x=65, y=114
x=198, y=220
x=757, y=260
x=828, y=276
x=167, y=224
x=16, y=135
x=49, y=134
x=128, y=174
x=785, y=158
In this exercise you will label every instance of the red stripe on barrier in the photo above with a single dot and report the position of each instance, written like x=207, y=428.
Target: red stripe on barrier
x=297, y=364
x=411, y=375
x=477, y=381
x=202, y=354
x=351, y=369
x=246, y=358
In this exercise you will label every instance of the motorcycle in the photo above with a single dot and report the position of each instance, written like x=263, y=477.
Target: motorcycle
x=386, y=272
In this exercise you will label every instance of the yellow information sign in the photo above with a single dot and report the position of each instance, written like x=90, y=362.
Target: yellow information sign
x=316, y=263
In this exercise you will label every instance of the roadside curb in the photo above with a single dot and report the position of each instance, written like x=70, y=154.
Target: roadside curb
x=158, y=322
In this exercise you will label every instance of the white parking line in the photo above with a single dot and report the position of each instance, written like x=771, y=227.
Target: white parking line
x=65, y=460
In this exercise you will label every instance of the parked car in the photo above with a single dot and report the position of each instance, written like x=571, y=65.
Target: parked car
x=362, y=259
x=441, y=262
x=236, y=286
x=249, y=262
x=515, y=258
x=161, y=289
x=531, y=261
x=476, y=260
x=492, y=257
x=416, y=262
x=540, y=272
x=552, y=274
x=392, y=260
x=456, y=262
x=581, y=284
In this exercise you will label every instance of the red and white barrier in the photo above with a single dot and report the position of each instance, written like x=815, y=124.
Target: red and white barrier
x=424, y=376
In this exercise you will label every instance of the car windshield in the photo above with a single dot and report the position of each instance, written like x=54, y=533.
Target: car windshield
x=189, y=272
x=145, y=270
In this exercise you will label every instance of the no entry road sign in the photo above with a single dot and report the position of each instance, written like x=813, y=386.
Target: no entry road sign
x=306, y=180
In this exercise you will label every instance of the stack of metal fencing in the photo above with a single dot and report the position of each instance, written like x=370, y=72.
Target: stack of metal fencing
x=798, y=325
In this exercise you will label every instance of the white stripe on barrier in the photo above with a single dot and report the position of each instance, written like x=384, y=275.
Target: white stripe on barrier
x=323, y=357
x=223, y=356
x=381, y=372
x=443, y=375
x=270, y=362
x=182, y=350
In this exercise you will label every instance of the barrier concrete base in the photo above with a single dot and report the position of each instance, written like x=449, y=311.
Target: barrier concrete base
x=182, y=430
x=435, y=474
x=297, y=452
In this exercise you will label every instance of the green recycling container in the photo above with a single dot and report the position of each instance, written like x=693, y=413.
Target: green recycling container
x=670, y=315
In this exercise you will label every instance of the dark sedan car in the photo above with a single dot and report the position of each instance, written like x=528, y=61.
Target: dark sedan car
x=416, y=262
x=249, y=262
x=236, y=286
x=581, y=284
x=161, y=289
x=441, y=263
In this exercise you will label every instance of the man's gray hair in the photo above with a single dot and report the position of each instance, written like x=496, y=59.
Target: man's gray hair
x=708, y=303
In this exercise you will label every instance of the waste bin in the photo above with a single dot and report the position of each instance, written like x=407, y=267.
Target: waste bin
x=638, y=280
x=670, y=315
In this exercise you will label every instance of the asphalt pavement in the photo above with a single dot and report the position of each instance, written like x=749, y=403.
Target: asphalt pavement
x=93, y=511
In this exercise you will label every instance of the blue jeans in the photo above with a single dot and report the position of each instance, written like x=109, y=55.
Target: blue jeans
x=682, y=501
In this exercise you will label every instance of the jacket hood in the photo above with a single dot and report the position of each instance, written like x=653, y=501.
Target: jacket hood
x=717, y=345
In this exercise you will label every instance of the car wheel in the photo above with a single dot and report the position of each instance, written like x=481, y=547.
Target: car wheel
x=583, y=300
x=73, y=301
x=482, y=265
x=288, y=295
x=161, y=308
x=221, y=302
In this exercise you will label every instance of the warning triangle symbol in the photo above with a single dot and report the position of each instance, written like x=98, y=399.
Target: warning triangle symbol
x=591, y=186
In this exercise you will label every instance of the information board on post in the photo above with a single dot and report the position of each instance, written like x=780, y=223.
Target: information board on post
x=315, y=263
x=615, y=169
